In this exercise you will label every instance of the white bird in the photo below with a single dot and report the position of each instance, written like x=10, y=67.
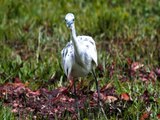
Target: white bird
x=79, y=56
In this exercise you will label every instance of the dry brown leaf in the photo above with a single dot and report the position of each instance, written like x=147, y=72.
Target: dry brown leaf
x=145, y=116
x=157, y=71
x=136, y=65
x=109, y=85
x=125, y=96
x=16, y=80
x=111, y=99
x=26, y=83
x=36, y=93
x=14, y=111
x=158, y=116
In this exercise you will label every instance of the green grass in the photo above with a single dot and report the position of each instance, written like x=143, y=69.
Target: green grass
x=121, y=29
x=5, y=113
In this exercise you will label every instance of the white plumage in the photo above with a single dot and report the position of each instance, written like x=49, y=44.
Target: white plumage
x=80, y=54
x=79, y=57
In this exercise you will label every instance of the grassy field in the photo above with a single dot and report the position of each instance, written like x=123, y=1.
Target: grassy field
x=33, y=33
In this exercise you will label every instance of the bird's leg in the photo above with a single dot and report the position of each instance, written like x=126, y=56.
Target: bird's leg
x=76, y=100
x=99, y=102
x=71, y=83
x=97, y=87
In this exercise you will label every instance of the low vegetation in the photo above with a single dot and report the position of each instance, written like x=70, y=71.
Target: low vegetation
x=32, y=82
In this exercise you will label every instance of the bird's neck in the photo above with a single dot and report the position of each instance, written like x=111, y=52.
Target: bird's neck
x=75, y=40
x=73, y=33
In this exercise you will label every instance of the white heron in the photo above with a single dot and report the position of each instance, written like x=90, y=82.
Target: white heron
x=79, y=56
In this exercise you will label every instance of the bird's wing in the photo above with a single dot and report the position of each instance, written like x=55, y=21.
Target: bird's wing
x=67, y=55
x=89, y=46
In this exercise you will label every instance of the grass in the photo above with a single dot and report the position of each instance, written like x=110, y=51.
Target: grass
x=6, y=114
x=121, y=29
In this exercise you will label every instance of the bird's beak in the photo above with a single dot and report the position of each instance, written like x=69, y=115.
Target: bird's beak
x=69, y=24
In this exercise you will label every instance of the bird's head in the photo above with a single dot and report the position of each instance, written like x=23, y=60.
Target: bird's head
x=69, y=19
